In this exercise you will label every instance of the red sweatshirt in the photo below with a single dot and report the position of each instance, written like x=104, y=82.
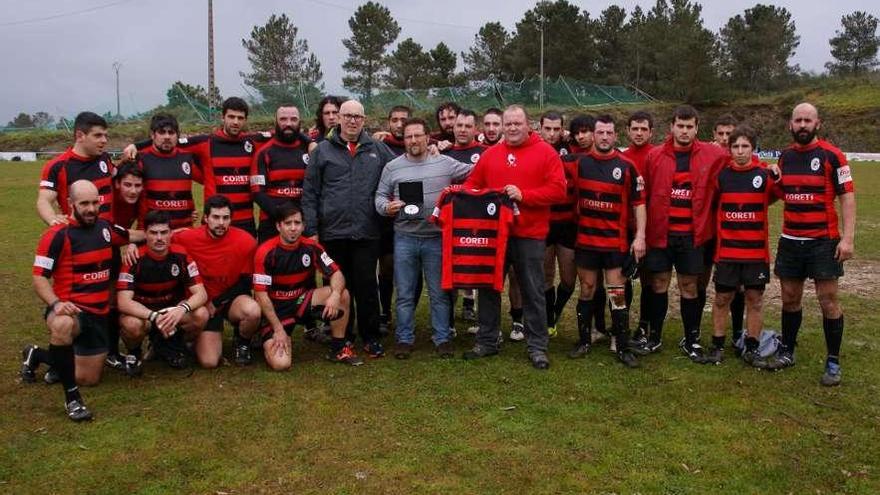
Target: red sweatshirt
x=535, y=168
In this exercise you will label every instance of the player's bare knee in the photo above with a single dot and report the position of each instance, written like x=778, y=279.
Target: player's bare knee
x=61, y=330
x=687, y=285
x=830, y=305
x=277, y=363
x=208, y=362
x=345, y=297
x=722, y=300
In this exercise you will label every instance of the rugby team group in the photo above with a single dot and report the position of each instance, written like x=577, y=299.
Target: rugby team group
x=456, y=211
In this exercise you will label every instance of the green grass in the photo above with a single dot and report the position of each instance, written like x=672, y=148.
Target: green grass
x=431, y=426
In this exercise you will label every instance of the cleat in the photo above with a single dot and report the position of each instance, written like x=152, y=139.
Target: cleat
x=28, y=364
x=468, y=314
x=693, y=351
x=402, y=350
x=319, y=334
x=539, y=360
x=345, y=356
x=77, y=411
x=753, y=359
x=628, y=359
x=374, y=349
x=445, y=350
x=579, y=351
x=133, y=366
x=478, y=352
x=51, y=377
x=473, y=329
x=783, y=359
x=242, y=351
x=115, y=361
x=516, y=332
x=552, y=332
x=612, y=344
x=715, y=356
x=831, y=377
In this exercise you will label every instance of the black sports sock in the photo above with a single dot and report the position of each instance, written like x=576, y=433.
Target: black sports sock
x=751, y=344
x=563, y=294
x=659, y=306
x=336, y=344
x=690, y=319
x=628, y=292
x=467, y=302
x=718, y=342
x=136, y=351
x=516, y=314
x=386, y=289
x=644, y=308
x=550, y=303
x=600, y=300
x=584, y=315
x=64, y=365
x=113, y=332
x=620, y=327
x=791, y=323
x=737, y=311
x=701, y=298
x=833, y=337
x=43, y=356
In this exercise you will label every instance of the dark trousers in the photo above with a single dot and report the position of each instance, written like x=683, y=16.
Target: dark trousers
x=357, y=259
x=526, y=258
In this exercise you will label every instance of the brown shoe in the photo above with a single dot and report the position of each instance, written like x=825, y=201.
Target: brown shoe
x=445, y=350
x=402, y=350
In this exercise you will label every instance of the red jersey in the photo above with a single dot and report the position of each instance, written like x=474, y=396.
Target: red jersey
x=278, y=172
x=125, y=213
x=80, y=258
x=812, y=176
x=608, y=187
x=287, y=272
x=637, y=155
x=681, y=211
x=168, y=179
x=222, y=261
x=65, y=169
x=160, y=282
x=564, y=212
x=743, y=196
x=476, y=225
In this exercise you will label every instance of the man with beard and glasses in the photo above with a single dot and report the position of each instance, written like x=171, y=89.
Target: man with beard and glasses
x=168, y=173
x=224, y=160
x=279, y=169
x=225, y=257
x=491, y=127
x=812, y=244
x=78, y=255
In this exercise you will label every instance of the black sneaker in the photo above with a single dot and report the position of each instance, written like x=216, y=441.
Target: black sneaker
x=579, y=351
x=374, y=349
x=639, y=338
x=28, y=371
x=539, y=360
x=477, y=352
x=628, y=358
x=753, y=359
x=51, y=377
x=445, y=350
x=715, y=356
x=403, y=350
x=319, y=334
x=345, y=356
x=133, y=366
x=115, y=361
x=468, y=314
x=242, y=350
x=77, y=411
x=694, y=351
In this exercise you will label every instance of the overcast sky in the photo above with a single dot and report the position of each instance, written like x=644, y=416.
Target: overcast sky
x=57, y=55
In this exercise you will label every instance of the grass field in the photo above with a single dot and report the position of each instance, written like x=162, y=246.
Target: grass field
x=432, y=426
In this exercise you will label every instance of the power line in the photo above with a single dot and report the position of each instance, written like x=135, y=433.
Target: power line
x=407, y=19
x=34, y=20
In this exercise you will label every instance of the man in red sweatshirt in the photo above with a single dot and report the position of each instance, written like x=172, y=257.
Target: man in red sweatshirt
x=680, y=223
x=530, y=172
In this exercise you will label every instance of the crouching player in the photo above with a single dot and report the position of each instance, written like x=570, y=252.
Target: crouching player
x=742, y=192
x=284, y=268
x=162, y=291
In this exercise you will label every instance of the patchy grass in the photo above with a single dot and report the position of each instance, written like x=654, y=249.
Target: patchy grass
x=430, y=426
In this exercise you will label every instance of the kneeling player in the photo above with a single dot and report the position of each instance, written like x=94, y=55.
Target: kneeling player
x=283, y=269
x=608, y=189
x=743, y=192
x=152, y=294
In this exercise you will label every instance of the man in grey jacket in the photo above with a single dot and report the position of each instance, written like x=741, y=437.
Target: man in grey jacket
x=340, y=182
x=408, y=190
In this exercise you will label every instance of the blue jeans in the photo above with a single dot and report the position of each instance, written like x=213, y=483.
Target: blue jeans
x=411, y=255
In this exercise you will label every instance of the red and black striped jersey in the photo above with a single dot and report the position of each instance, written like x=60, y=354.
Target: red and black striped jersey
x=565, y=212
x=225, y=165
x=125, y=213
x=80, y=259
x=681, y=212
x=608, y=187
x=395, y=145
x=65, y=169
x=222, y=261
x=288, y=272
x=475, y=228
x=469, y=153
x=812, y=176
x=160, y=282
x=743, y=196
x=278, y=171
x=168, y=179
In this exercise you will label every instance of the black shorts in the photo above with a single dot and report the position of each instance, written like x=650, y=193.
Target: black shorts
x=807, y=259
x=680, y=253
x=290, y=313
x=562, y=233
x=709, y=253
x=591, y=259
x=215, y=323
x=92, y=339
x=729, y=276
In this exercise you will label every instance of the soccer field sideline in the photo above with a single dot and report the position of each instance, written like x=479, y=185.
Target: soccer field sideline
x=494, y=426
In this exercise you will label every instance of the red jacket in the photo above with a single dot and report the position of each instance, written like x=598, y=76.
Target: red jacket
x=536, y=169
x=706, y=161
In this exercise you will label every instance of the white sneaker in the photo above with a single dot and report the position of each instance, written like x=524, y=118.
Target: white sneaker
x=473, y=329
x=516, y=333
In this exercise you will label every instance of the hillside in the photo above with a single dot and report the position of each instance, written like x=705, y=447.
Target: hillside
x=850, y=110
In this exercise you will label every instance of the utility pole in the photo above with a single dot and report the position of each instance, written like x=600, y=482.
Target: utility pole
x=541, y=101
x=116, y=67
x=211, y=90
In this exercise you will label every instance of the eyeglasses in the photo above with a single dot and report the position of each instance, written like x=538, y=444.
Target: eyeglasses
x=414, y=136
x=352, y=117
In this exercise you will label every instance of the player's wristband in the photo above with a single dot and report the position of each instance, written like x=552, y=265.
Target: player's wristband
x=153, y=316
x=52, y=306
x=186, y=307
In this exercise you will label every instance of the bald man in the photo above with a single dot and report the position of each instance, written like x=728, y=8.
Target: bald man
x=78, y=254
x=812, y=244
x=338, y=194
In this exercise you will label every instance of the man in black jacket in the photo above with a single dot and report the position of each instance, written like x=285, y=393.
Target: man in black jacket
x=338, y=192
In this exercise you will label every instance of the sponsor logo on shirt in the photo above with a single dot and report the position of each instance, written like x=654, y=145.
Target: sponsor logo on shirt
x=473, y=241
x=96, y=276
x=262, y=279
x=44, y=262
x=844, y=175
